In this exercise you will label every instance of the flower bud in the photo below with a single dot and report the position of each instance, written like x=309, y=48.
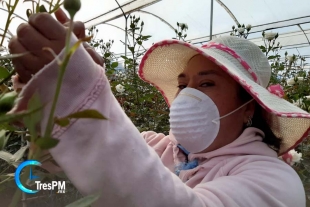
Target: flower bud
x=270, y=36
x=241, y=30
x=72, y=6
x=7, y=101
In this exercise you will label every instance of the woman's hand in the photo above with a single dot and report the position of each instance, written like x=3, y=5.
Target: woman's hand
x=79, y=31
x=41, y=31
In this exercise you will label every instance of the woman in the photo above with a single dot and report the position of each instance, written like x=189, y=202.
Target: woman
x=227, y=129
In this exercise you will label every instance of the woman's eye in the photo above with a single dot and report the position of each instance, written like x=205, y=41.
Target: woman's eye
x=181, y=86
x=207, y=84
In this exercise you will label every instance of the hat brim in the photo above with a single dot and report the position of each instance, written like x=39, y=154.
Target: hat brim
x=165, y=60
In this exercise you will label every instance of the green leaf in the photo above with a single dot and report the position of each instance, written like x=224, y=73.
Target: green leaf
x=84, y=202
x=132, y=49
x=262, y=47
x=3, y=139
x=3, y=72
x=88, y=113
x=46, y=143
x=28, y=12
x=42, y=9
x=281, y=67
x=106, y=55
x=13, y=117
x=7, y=127
x=114, y=65
x=63, y=122
x=271, y=57
x=110, y=71
x=37, y=8
x=7, y=101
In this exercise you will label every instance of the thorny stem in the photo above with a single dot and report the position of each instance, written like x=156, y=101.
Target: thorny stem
x=62, y=69
x=134, y=64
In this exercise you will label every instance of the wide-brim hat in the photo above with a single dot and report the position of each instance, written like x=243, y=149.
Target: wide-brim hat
x=245, y=63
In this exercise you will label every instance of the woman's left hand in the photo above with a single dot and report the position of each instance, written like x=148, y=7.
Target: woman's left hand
x=42, y=31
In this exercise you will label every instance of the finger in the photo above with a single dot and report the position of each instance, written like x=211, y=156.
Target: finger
x=24, y=74
x=95, y=56
x=33, y=44
x=61, y=16
x=24, y=65
x=47, y=26
x=78, y=29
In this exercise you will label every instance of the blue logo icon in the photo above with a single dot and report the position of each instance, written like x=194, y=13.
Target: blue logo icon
x=31, y=176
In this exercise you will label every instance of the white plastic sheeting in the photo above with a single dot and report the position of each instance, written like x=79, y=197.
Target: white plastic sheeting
x=281, y=16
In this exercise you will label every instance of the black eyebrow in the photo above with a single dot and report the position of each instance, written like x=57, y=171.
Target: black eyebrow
x=202, y=73
x=182, y=75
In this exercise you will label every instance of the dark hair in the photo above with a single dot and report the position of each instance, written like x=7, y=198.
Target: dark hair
x=258, y=121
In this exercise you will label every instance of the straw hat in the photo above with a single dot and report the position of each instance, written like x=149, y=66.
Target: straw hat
x=244, y=62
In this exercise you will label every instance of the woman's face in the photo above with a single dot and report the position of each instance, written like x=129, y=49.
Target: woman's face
x=205, y=76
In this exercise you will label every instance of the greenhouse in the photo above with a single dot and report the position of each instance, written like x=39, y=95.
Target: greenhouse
x=122, y=35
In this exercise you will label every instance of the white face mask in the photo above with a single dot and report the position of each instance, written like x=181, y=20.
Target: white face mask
x=195, y=119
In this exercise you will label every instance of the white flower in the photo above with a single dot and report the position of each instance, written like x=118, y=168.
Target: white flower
x=292, y=157
x=296, y=157
x=308, y=98
x=291, y=81
x=270, y=35
x=2, y=48
x=297, y=103
x=290, y=58
x=120, y=88
x=248, y=27
x=241, y=30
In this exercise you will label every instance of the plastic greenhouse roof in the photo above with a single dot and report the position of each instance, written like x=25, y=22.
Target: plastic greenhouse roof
x=160, y=17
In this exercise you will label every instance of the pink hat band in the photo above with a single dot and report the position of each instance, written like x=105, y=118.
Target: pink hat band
x=228, y=50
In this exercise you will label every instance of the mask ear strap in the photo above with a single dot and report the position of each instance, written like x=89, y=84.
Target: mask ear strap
x=215, y=121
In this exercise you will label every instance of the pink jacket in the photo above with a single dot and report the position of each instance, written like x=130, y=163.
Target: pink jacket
x=112, y=157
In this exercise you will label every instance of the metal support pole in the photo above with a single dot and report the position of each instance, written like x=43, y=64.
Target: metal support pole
x=126, y=36
x=211, y=20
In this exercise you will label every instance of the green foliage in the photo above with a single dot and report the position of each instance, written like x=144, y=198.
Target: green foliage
x=46, y=143
x=88, y=113
x=142, y=102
